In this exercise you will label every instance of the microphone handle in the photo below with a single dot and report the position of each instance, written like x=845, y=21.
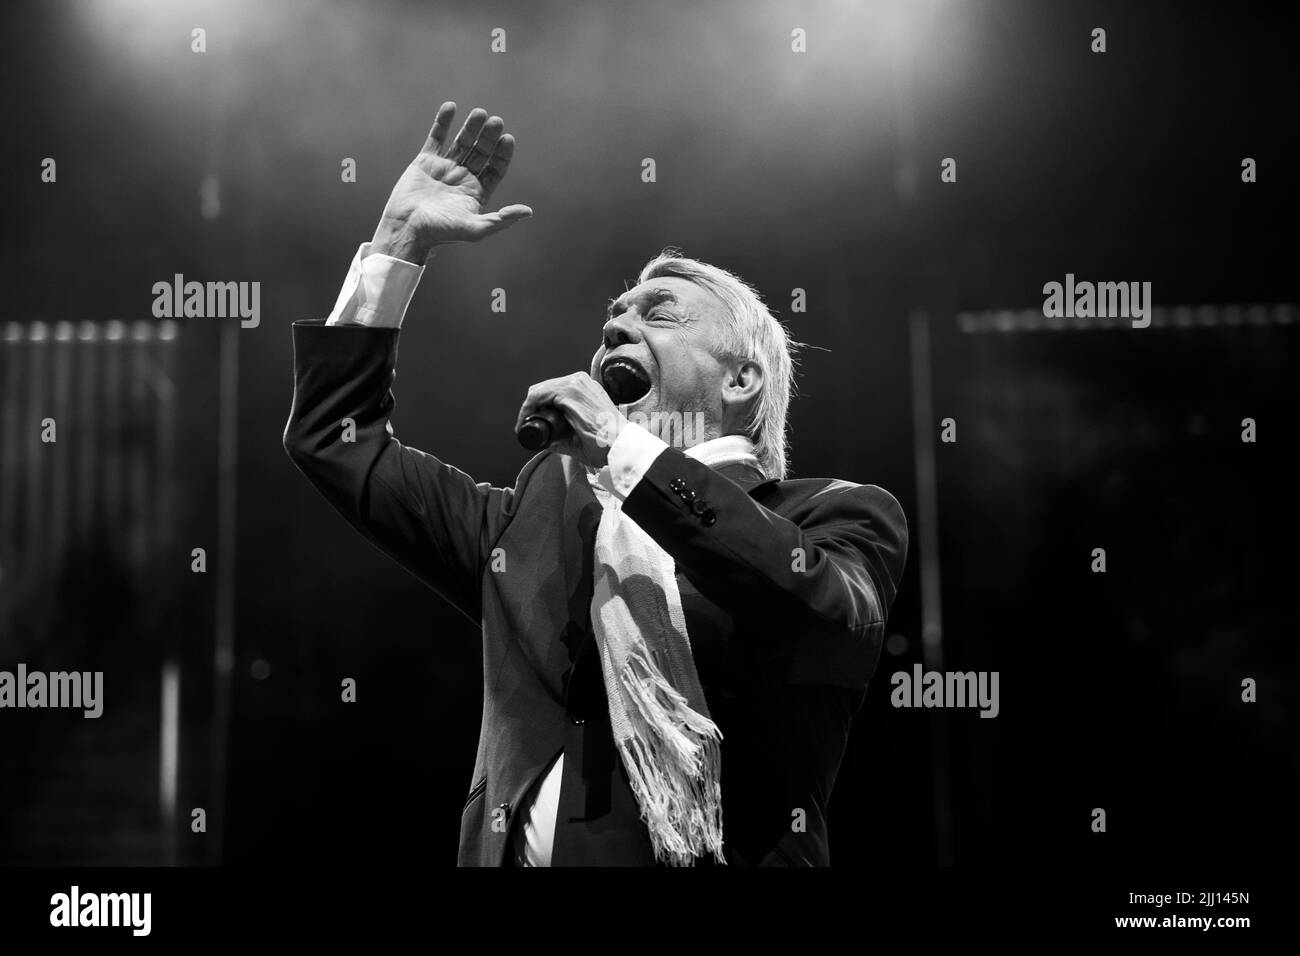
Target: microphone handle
x=541, y=428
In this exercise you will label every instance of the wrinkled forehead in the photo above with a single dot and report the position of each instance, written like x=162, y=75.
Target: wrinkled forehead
x=678, y=295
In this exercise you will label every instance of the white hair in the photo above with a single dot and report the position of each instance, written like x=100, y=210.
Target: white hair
x=749, y=333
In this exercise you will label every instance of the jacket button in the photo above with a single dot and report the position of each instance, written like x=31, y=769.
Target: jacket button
x=699, y=507
x=708, y=519
x=677, y=484
x=687, y=495
x=577, y=721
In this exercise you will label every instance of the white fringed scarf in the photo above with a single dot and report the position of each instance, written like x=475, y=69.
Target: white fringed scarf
x=668, y=742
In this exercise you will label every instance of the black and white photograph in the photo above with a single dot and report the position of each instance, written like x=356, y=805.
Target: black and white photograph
x=847, y=434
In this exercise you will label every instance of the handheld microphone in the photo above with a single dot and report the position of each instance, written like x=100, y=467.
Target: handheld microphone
x=541, y=428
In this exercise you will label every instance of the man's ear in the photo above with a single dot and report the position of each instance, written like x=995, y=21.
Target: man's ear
x=741, y=387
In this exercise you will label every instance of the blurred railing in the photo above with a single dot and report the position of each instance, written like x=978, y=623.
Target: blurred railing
x=87, y=438
x=87, y=528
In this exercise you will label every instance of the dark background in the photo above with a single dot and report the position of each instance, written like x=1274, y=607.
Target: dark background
x=817, y=171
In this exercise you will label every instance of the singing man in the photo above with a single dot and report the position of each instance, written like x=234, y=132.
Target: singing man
x=675, y=636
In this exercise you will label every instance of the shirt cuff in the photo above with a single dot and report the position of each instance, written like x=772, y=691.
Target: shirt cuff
x=630, y=457
x=377, y=290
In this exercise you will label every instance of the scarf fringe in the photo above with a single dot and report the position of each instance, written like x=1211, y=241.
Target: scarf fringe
x=660, y=719
x=673, y=758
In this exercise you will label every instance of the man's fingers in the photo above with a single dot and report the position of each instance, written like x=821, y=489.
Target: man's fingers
x=553, y=391
x=467, y=136
x=493, y=222
x=495, y=169
x=543, y=393
x=441, y=127
x=485, y=144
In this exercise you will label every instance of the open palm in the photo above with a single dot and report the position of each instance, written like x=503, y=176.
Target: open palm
x=442, y=194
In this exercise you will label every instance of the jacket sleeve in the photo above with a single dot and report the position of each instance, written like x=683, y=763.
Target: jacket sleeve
x=434, y=520
x=817, y=584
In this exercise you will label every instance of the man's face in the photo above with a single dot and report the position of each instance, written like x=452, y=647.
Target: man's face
x=656, y=350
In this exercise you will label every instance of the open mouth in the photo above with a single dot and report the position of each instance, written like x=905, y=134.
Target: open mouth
x=625, y=380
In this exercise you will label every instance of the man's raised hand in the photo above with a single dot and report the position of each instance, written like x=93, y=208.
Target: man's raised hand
x=441, y=196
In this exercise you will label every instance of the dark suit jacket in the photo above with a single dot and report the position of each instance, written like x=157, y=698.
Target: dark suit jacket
x=785, y=587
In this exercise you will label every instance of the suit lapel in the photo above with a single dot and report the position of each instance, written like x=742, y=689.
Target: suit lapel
x=578, y=537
